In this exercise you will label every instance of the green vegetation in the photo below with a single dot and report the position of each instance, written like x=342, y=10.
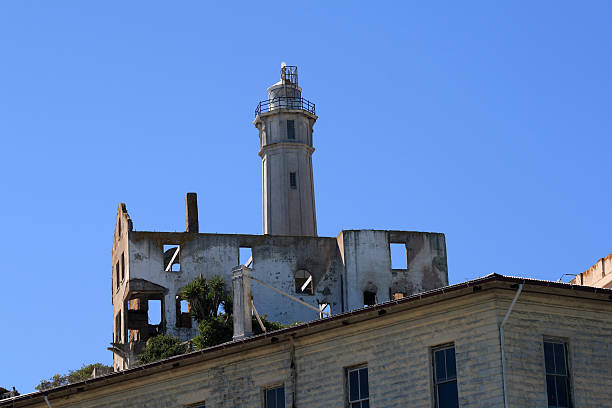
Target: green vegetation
x=160, y=347
x=210, y=305
x=73, y=376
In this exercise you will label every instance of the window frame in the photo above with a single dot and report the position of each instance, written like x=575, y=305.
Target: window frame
x=269, y=387
x=568, y=376
x=347, y=372
x=293, y=180
x=291, y=134
x=435, y=382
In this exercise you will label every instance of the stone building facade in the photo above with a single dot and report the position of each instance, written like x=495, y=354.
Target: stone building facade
x=331, y=274
x=394, y=343
x=598, y=275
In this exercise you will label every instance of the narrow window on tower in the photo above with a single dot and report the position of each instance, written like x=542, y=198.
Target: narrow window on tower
x=292, y=180
x=290, y=129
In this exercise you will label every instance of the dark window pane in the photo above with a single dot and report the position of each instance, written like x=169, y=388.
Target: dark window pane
x=451, y=370
x=353, y=386
x=270, y=401
x=560, y=358
x=365, y=404
x=551, y=390
x=280, y=397
x=364, y=392
x=440, y=366
x=356, y=405
x=562, y=397
x=549, y=357
x=447, y=395
x=290, y=129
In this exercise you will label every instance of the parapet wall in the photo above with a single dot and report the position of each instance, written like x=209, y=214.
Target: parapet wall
x=598, y=275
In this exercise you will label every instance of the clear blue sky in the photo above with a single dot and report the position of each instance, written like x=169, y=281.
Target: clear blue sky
x=488, y=121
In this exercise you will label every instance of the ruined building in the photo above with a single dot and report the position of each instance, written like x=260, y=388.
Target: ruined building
x=330, y=274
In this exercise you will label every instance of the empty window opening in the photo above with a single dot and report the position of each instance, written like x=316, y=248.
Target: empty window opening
x=183, y=315
x=324, y=310
x=172, y=258
x=399, y=256
x=245, y=257
x=557, y=374
x=369, y=298
x=274, y=397
x=154, y=312
x=292, y=180
x=119, y=229
x=290, y=129
x=118, y=327
x=358, y=389
x=122, y=266
x=303, y=282
x=117, y=280
x=445, y=377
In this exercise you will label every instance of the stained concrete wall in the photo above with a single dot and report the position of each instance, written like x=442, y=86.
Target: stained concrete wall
x=342, y=268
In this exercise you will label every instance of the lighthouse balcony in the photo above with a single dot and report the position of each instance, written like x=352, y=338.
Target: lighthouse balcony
x=285, y=102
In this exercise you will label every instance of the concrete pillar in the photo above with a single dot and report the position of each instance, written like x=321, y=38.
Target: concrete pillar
x=241, y=286
x=191, y=212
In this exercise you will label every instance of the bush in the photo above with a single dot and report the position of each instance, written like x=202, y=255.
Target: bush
x=160, y=347
x=73, y=376
x=213, y=331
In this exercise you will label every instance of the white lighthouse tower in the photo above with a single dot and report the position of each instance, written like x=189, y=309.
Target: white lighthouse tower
x=285, y=121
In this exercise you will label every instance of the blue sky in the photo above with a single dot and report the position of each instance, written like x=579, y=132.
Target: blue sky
x=487, y=121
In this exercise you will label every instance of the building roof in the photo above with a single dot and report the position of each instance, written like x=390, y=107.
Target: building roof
x=335, y=321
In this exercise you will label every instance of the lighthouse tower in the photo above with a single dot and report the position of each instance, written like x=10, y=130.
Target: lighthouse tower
x=285, y=121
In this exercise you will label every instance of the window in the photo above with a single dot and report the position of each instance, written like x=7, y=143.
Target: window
x=358, y=392
x=245, y=256
x=274, y=397
x=445, y=377
x=557, y=377
x=399, y=258
x=117, y=275
x=154, y=312
x=183, y=315
x=292, y=180
x=290, y=129
x=122, y=266
x=324, y=310
x=172, y=258
x=303, y=282
x=369, y=298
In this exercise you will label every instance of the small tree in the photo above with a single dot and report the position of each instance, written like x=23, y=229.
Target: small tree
x=206, y=296
x=73, y=376
x=160, y=347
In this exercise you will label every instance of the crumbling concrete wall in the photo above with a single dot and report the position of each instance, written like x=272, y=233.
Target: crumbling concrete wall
x=342, y=269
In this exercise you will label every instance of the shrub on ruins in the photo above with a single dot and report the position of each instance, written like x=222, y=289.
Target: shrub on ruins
x=73, y=376
x=211, y=306
x=207, y=298
x=160, y=347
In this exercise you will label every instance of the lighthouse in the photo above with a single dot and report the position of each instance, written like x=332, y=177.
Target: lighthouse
x=285, y=122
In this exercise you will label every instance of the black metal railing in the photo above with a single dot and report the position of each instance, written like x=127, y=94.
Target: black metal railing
x=285, y=102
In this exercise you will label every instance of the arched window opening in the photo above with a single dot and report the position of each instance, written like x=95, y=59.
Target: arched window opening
x=303, y=282
x=183, y=313
x=369, y=298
